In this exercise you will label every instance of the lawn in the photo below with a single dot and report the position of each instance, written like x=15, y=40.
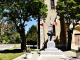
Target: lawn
x=10, y=54
x=35, y=50
x=13, y=53
x=73, y=50
x=76, y=51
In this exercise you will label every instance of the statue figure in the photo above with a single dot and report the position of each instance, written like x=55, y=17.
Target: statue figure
x=50, y=32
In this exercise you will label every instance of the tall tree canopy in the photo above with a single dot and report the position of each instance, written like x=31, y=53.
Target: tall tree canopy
x=32, y=35
x=20, y=12
x=32, y=29
x=70, y=10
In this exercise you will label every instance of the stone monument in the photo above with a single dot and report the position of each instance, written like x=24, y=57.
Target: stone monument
x=51, y=50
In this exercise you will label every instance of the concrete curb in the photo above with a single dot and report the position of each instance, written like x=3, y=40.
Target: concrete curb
x=19, y=56
x=52, y=55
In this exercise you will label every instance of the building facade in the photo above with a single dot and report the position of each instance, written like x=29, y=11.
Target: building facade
x=56, y=29
x=44, y=29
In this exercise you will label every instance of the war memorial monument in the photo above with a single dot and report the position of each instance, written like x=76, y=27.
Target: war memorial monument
x=51, y=49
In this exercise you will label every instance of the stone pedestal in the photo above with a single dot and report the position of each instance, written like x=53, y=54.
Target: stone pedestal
x=50, y=44
x=51, y=50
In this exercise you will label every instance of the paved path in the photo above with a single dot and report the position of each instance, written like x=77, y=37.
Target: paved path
x=68, y=55
x=35, y=56
x=7, y=46
x=52, y=58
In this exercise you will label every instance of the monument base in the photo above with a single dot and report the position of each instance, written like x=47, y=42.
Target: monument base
x=51, y=51
x=50, y=44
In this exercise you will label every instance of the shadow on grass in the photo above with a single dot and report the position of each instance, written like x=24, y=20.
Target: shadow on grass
x=16, y=50
x=11, y=51
x=33, y=47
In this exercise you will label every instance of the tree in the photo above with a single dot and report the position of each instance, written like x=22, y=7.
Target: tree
x=4, y=37
x=21, y=11
x=3, y=26
x=32, y=35
x=32, y=29
x=18, y=39
x=60, y=12
x=70, y=11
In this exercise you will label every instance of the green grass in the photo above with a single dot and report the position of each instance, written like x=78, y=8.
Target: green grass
x=10, y=54
x=35, y=50
x=17, y=47
x=73, y=50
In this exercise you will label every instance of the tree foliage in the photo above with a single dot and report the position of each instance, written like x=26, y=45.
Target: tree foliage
x=70, y=9
x=32, y=35
x=5, y=30
x=14, y=38
x=4, y=37
x=21, y=11
x=10, y=38
x=3, y=26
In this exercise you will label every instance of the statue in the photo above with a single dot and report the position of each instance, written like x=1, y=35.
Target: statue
x=50, y=43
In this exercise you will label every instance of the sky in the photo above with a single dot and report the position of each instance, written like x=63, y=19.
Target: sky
x=29, y=24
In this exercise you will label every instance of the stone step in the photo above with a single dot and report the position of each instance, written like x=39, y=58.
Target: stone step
x=51, y=49
x=51, y=53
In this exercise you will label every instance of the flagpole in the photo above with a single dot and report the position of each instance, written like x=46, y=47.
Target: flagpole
x=43, y=37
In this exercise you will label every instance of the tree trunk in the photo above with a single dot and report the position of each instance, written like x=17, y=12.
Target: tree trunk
x=69, y=39
x=23, y=44
x=63, y=31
